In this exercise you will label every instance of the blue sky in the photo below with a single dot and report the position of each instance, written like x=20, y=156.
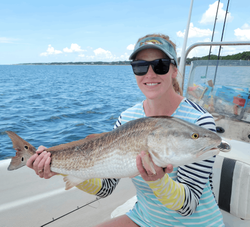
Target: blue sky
x=70, y=31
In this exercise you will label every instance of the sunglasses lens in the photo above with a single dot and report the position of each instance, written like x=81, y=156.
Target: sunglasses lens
x=140, y=68
x=160, y=66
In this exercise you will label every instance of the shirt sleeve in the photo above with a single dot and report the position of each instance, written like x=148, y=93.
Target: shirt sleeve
x=195, y=176
x=170, y=193
x=97, y=186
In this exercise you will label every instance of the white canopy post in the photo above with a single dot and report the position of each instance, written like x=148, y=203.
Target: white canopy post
x=183, y=59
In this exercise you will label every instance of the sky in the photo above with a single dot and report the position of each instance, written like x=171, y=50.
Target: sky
x=107, y=30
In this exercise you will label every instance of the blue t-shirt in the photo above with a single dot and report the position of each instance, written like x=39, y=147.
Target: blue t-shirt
x=200, y=207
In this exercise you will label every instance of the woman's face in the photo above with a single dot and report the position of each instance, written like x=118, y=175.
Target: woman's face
x=152, y=85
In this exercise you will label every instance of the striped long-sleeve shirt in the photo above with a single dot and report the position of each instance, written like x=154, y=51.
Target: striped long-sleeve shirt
x=199, y=207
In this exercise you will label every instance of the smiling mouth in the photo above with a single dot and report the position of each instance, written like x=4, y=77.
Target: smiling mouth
x=151, y=84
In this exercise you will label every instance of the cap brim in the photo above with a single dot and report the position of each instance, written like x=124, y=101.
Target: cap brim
x=149, y=46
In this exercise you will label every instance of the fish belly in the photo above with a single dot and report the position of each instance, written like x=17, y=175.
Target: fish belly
x=114, y=166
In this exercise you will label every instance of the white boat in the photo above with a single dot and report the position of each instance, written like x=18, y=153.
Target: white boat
x=26, y=200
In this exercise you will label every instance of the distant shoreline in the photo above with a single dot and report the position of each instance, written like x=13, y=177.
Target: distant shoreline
x=240, y=56
x=79, y=63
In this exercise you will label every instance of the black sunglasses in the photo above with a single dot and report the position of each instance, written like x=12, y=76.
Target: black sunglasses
x=160, y=66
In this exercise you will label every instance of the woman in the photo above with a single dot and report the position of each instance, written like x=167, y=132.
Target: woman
x=172, y=197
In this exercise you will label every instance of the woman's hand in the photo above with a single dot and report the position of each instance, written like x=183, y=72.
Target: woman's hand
x=146, y=174
x=40, y=162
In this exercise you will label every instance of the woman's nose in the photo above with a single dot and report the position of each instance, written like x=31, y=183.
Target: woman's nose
x=151, y=72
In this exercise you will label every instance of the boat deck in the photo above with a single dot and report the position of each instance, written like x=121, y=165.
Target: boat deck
x=39, y=201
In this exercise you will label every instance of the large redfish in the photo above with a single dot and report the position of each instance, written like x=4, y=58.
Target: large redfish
x=113, y=154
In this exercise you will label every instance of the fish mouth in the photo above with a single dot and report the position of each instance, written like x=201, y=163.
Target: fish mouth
x=223, y=146
x=213, y=148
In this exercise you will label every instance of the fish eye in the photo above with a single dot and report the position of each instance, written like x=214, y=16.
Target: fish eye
x=195, y=136
x=26, y=147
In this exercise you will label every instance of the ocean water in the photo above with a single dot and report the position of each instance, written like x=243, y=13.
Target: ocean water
x=53, y=104
x=50, y=105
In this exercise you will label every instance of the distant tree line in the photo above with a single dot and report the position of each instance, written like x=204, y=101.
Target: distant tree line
x=82, y=63
x=240, y=56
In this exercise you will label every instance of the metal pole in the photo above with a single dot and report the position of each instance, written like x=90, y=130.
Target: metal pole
x=214, y=28
x=216, y=14
x=183, y=60
x=221, y=41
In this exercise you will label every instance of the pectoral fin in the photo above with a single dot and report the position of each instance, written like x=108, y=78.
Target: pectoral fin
x=147, y=163
x=71, y=181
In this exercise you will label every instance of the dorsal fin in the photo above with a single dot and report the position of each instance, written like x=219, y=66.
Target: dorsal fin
x=75, y=143
x=94, y=136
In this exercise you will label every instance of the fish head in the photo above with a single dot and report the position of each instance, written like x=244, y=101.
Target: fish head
x=178, y=142
x=24, y=151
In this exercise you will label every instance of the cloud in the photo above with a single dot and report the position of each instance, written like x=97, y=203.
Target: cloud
x=209, y=16
x=131, y=47
x=124, y=57
x=105, y=54
x=6, y=40
x=246, y=26
x=50, y=51
x=73, y=48
x=243, y=33
x=195, y=32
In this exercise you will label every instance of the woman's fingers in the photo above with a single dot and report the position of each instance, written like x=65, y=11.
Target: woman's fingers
x=141, y=169
x=40, y=165
x=147, y=163
x=36, y=161
x=41, y=149
x=47, y=172
x=144, y=162
x=148, y=175
x=30, y=161
x=169, y=168
x=140, y=165
x=39, y=162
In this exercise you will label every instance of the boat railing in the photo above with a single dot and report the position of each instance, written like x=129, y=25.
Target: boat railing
x=222, y=88
x=199, y=44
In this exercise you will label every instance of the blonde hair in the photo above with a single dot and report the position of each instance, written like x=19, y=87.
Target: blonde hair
x=175, y=83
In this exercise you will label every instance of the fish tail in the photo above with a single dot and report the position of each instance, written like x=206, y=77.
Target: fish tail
x=24, y=151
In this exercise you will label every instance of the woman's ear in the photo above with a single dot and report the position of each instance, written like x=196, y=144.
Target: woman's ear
x=175, y=71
